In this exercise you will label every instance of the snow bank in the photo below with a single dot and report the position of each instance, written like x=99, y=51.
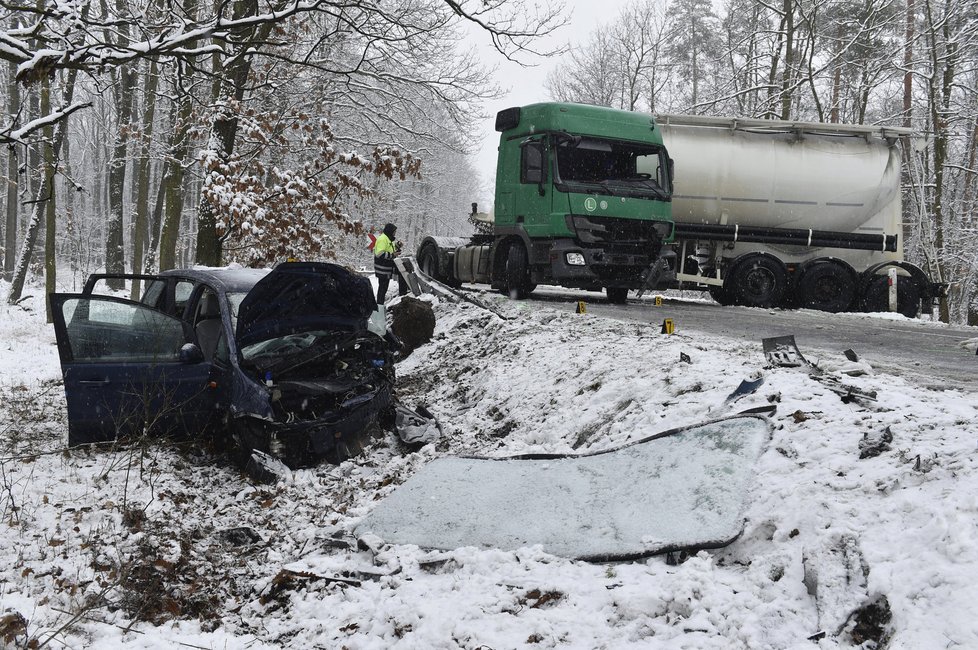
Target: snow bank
x=149, y=545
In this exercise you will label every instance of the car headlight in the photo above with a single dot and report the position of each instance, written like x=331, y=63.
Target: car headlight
x=575, y=259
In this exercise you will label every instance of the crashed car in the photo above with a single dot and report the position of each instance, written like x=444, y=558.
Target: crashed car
x=294, y=363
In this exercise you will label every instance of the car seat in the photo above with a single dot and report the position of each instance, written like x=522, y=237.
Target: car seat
x=209, y=325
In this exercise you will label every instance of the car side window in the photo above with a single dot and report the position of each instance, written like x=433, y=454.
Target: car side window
x=222, y=354
x=108, y=331
x=181, y=294
x=154, y=294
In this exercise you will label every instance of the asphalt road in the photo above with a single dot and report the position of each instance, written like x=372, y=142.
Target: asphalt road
x=924, y=352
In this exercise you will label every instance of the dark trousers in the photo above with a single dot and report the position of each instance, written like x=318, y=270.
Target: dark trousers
x=384, y=281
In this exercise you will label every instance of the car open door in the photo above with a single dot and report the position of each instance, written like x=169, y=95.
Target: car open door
x=128, y=370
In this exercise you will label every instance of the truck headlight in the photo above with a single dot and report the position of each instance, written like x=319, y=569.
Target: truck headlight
x=575, y=259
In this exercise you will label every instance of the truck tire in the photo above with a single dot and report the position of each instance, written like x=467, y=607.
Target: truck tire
x=517, y=272
x=428, y=262
x=826, y=285
x=617, y=295
x=876, y=296
x=757, y=280
x=720, y=294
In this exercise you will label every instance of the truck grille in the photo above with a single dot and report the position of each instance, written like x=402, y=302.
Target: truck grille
x=617, y=236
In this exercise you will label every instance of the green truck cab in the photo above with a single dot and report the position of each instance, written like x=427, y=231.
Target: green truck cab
x=583, y=200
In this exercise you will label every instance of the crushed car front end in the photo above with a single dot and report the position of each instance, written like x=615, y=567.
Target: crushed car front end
x=323, y=402
x=314, y=379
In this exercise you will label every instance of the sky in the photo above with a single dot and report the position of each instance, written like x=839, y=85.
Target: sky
x=525, y=85
x=850, y=503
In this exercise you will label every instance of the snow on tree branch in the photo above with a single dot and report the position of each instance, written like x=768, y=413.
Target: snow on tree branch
x=11, y=135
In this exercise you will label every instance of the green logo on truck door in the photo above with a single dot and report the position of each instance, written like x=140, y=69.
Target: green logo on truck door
x=590, y=204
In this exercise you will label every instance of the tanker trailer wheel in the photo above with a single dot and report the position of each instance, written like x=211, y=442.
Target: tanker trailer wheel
x=826, y=285
x=517, y=272
x=876, y=295
x=757, y=280
x=617, y=295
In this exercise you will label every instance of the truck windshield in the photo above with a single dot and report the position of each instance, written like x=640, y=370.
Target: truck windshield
x=614, y=167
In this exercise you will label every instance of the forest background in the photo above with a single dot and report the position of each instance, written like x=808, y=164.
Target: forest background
x=155, y=134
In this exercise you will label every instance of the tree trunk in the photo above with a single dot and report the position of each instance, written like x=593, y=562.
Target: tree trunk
x=40, y=198
x=50, y=225
x=225, y=127
x=939, y=88
x=10, y=234
x=142, y=178
x=173, y=180
x=114, y=244
x=907, y=64
x=789, y=46
x=115, y=260
x=156, y=222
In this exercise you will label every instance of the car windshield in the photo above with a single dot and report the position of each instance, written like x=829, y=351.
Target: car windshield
x=279, y=350
x=615, y=167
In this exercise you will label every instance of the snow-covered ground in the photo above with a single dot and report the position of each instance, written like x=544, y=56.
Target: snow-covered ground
x=152, y=546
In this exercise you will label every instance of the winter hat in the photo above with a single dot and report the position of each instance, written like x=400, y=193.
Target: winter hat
x=390, y=229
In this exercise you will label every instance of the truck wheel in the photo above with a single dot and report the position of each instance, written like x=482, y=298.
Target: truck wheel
x=428, y=262
x=826, y=286
x=757, y=281
x=517, y=272
x=876, y=296
x=721, y=295
x=617, y=295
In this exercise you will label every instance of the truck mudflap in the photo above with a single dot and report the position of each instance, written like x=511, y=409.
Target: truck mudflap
x=928, y=292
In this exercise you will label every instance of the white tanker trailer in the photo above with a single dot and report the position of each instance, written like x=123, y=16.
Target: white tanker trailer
x=772, y=213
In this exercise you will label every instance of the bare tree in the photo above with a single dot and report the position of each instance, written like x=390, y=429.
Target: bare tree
x=403, y=56
x=620, y=66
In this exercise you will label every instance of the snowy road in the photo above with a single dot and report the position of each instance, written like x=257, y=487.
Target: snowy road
x=925, y=352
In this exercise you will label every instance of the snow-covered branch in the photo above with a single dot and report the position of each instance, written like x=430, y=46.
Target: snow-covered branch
x=11, y=135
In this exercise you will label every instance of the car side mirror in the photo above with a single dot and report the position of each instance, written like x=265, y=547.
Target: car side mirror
x=191, y=353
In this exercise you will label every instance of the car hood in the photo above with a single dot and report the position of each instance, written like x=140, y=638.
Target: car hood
x=303, y=296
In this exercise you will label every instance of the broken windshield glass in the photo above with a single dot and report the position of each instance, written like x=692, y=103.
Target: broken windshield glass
x=613, y=167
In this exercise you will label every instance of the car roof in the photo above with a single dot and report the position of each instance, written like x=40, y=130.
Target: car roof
x=222, y=279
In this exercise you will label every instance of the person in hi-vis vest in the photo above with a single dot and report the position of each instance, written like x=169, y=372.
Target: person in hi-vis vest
x=385, y=249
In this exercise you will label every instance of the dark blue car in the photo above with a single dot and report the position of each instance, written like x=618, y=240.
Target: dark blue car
x=293, y=362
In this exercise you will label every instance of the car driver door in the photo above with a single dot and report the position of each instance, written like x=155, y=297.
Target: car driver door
x=128, y=370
